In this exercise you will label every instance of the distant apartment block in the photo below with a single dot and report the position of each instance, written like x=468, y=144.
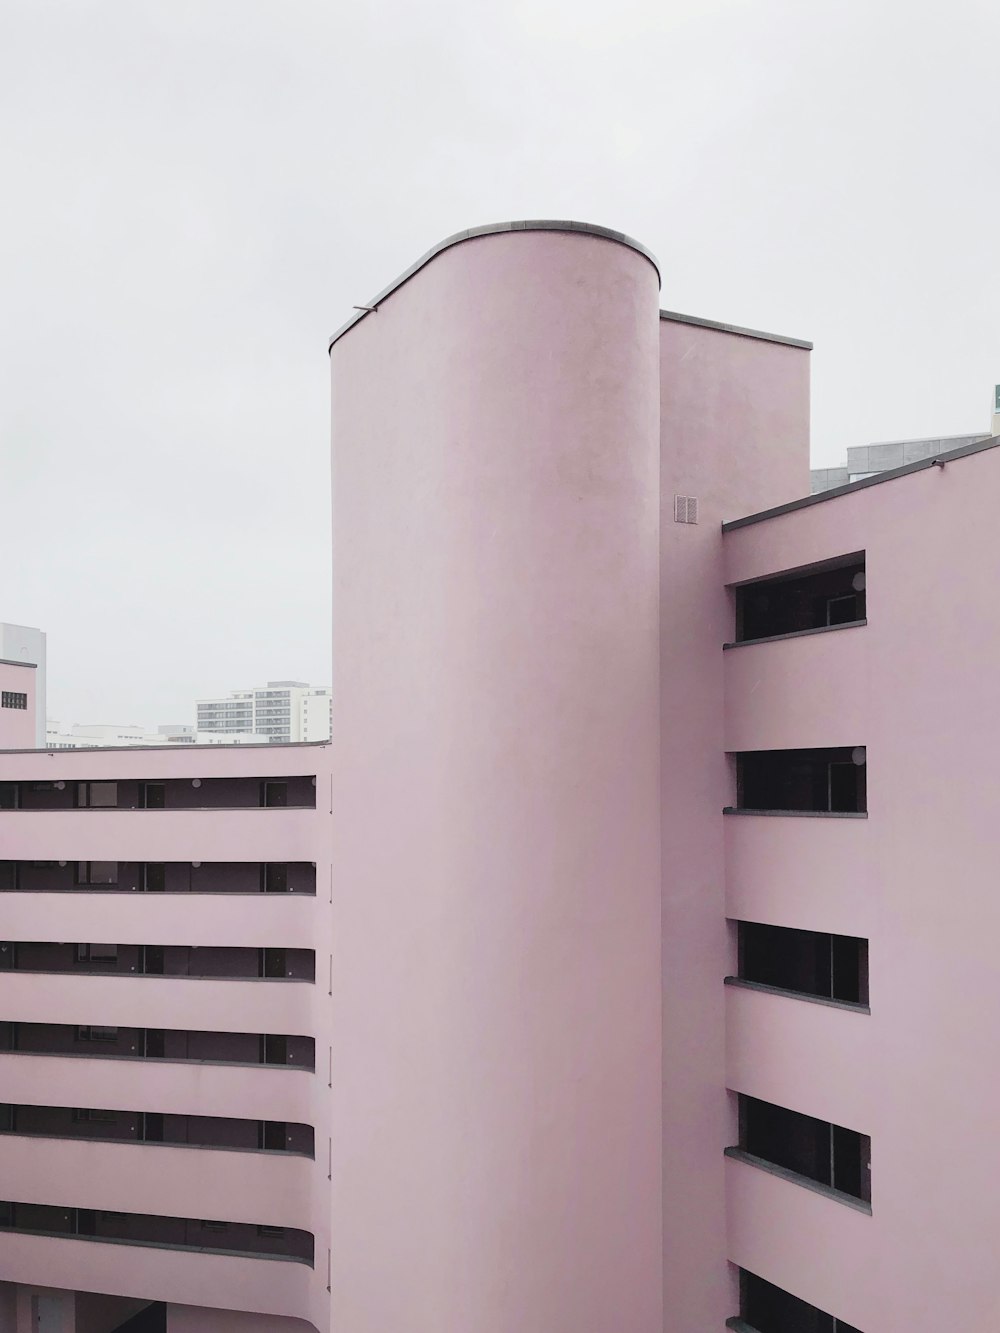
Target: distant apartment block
x=283, y=711
x=23, y=644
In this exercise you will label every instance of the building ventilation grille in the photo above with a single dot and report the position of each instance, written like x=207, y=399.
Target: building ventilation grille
x=685, y=509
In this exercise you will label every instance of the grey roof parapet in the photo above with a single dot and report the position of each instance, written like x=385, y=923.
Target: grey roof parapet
x=736, y=329
x=494, y=229
x=966, y=451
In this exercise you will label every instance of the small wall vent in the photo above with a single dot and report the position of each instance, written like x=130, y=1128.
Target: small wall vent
x=685, y=509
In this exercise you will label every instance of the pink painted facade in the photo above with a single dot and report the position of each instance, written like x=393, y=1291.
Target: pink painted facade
x=17, y=711
x=429, y=1029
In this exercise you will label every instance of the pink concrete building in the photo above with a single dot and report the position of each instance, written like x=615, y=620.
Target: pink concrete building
x=585, y=982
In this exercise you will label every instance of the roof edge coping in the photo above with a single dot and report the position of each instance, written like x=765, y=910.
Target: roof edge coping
x=495, y=229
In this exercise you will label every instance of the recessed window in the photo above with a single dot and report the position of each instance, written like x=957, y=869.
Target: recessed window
x=831, y=1155
x=770, y=1309
x=10, y=796
x=154, y=876
x=104, y=1034
x=274, y=794
x=804, y=962
x=270, y=1231
x=97, y=955
x=152, y=795
x=13, y=699
x=97, y=795
x=88, y=1116
x=820, y=597
x=97, y=872
x=216, y=1226
x=275, y=877
x=816, y=781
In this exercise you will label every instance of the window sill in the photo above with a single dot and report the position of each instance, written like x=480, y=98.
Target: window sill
x=794, y=1178
x=853, y=1006
x=797, y=814
x=794, y=634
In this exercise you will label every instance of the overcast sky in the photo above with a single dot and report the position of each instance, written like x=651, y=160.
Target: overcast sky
x=193, y=193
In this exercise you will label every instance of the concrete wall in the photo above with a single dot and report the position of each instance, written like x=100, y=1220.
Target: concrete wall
x=917, y=686
x=497, y=1117
x=734, y=434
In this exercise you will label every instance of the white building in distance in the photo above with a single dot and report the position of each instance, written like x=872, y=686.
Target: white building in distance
x=23, y=644
x=282, y=711
x=99, y=735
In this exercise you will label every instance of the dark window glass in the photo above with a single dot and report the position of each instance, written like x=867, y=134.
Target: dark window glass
x=791, y=603
x=152, y=795
x=9, y=796
x=808, y=962
x=820, y=781
x=828, y=1154
x=154, y=877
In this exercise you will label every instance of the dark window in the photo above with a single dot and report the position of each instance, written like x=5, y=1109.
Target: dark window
x=102, y=795
x=13, y=699
x=9, y=796
x=807, y=961
x=87, y=1115
x=828, y=1154
x=809, y=599
x=97, y=955
x=271, y=963
x=818, y=781
x=96, y=1034
x=152, y=1127
x=155, y=1043
x=8, y=1118
x=274, y=1049
x=273, y=1135
x=152, y=960
x=97, y=872
x=270, y=1231
x=8, y=955
x=274, y=793
x=152, y=795
x=769, y=1309
x=275, y=877
x=154, y=876
x=216, y=1226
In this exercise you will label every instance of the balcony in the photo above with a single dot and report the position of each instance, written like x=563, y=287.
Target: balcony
x=807, y=691
x=88, y=1041
x=172, y=1087
x=250, y=1241
x=233, y=877
x=207, y=962
x=181, y=1275
x=229, y=793
x=241, y=1187
x=198, y=920
x=155, y=1127
x=227, y=1005
x=804, y=1242
x=815, y=874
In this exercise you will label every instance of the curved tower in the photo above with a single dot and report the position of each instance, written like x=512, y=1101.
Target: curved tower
x=496, y=1042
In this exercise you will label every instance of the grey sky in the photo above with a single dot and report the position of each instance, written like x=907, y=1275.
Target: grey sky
x=194, y=194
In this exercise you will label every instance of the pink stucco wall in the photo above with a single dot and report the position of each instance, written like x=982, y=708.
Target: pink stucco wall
x=496, y=793
x=917, y=686
x=17, y=725
x=734, y=434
